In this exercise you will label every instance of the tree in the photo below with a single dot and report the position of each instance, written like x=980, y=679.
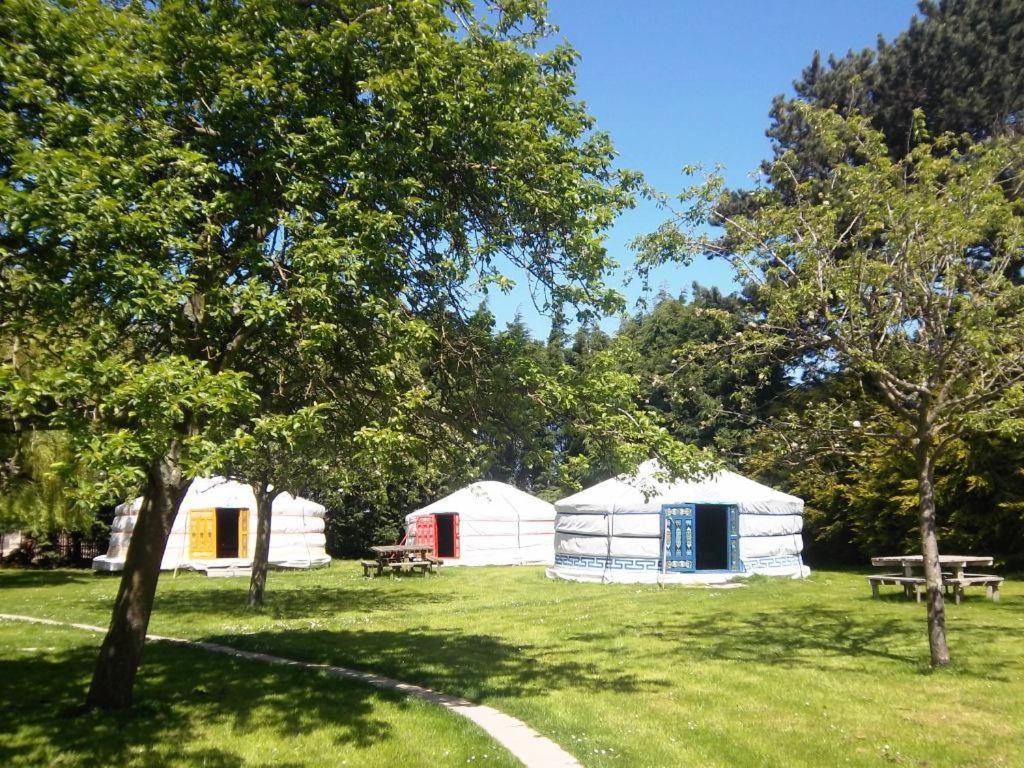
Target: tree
x=550, y=420
x=893, y=273
x=186, y=187
x=961, y=61
x=861, y=496
x=702, y=398
x=32, y=495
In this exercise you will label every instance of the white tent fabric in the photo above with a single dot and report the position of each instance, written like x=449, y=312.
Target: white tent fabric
x=296, y=532
x=498, y=525
x=612, y=531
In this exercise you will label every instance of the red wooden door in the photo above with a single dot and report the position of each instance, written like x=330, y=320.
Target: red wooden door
x=426, y=532
x=455, y=526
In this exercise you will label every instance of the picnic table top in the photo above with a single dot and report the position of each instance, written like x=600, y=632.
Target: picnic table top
x=963, y=560
x=393, y=549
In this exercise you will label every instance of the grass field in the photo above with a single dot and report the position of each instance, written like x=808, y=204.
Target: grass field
x=776, y=673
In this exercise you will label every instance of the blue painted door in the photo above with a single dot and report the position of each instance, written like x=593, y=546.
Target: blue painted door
x=679, y=538
x=735, y=564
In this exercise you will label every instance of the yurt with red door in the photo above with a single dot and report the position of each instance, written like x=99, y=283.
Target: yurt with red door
x=486, y=523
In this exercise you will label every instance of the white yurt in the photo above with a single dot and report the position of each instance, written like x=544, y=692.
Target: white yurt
x=216, y=527
x=486, y=523
x=641, y=528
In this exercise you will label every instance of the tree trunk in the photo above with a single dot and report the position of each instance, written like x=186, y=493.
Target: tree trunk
x=76, y=547
x=930, y=552
x=258, y=581
x=121, y=652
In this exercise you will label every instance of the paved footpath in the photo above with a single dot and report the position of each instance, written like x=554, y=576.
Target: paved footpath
x=532, y=749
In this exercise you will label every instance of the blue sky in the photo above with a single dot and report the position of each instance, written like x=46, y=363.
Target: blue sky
x=691, y=81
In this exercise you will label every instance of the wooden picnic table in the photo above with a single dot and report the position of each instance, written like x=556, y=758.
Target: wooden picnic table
x=400, y=557
x=957, y=563
x=954, y=574
x=402, y=551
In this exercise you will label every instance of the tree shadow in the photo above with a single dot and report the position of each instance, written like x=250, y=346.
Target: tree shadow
x=813, y=637
x=476, y=666
x=15, y=578
x=43, y=722
x=298, y=602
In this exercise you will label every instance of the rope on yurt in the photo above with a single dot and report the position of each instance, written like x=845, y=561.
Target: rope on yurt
x=519, y=533
x=305, y=534
x=608, y=548
x=184, y=540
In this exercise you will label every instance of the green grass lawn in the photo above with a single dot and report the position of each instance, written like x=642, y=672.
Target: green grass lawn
x=200, y=709
x=776, y=673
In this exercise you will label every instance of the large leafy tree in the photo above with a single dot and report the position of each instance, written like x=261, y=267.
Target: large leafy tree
x=894, y=274
x=961, y=61
x=550, y=417
x=705, y=398
x=187, y=185
x=33, y=467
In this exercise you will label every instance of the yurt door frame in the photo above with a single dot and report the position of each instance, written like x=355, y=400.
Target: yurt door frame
x=431, y=529
x=202, y=532
x=679, y=538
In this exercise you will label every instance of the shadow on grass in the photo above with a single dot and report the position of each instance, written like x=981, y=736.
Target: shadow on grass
x=811, y=637
x=178, y=688
x=293, y=602
x=15, y=578
x=475, y=666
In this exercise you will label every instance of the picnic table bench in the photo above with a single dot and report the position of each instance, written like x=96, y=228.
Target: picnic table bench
x=396, y=558
x=910, y=584
x=954, y=575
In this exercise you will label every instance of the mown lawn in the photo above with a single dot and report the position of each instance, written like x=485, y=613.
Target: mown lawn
x=776, y=673
x=200, y=709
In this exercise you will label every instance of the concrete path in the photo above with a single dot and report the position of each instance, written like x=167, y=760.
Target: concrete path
x=532, y=749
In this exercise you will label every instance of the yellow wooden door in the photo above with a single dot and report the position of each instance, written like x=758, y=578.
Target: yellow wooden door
x=202, y=534
x=243, y=533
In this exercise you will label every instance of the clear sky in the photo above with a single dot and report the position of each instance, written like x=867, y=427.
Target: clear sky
x=691, y=81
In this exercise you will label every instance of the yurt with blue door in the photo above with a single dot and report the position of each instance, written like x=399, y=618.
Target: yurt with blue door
x=641, y=528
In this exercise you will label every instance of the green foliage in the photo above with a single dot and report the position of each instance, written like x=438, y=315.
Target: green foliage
x=861, y=496
x=887, y=290
x=961, y=62
x=33, y=498
x=702, y=396
x=249, y=229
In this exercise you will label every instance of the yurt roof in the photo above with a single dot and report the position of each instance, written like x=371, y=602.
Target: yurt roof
x=491, y=500
x=645, y=492
x=218, y=491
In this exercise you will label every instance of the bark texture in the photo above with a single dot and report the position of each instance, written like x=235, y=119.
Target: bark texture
x=121, y=652
x=930, y=551
x=261, y=555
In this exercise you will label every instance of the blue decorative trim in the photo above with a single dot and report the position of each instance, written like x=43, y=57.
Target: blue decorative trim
x=750, y=565
x=608, y=563
x=755, y=564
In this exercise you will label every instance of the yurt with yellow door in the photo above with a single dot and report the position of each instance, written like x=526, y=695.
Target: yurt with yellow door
x=216, y=528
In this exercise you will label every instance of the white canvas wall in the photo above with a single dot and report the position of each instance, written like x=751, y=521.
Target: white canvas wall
x=296, y=532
